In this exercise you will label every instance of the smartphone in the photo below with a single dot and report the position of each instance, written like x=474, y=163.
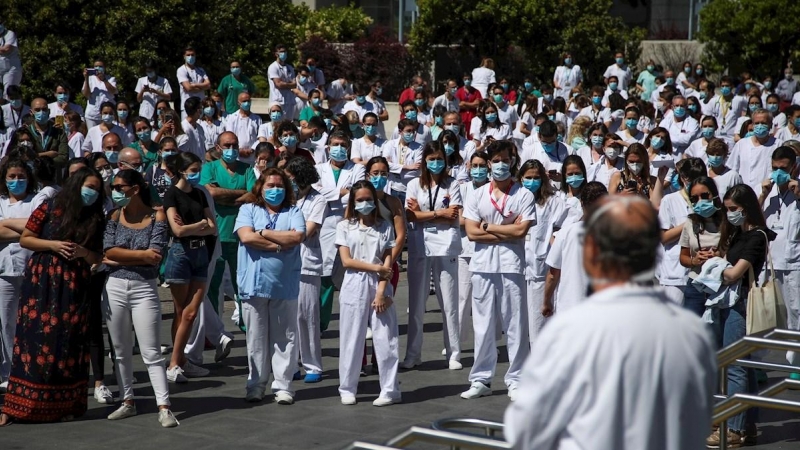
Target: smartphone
x=631, y=184
x=168, y=118
x=91, y=71
x=60, y=121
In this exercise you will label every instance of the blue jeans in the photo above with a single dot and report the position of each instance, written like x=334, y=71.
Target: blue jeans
x=731, y=327
x=694, y=300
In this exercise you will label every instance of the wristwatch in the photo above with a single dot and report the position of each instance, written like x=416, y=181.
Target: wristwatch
x=486, y=226
x=279, y=248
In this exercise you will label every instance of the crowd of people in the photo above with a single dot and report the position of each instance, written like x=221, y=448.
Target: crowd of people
x=488, y=186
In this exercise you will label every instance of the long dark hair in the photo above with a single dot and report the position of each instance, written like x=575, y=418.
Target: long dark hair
x=350, y=212
x=79, y=223
x=744, y=196
x=546, y=189
x=134, y=178
x=455, y=158
x=8, y=164
x=569, y=160
x=718, y=216
x=426, y=178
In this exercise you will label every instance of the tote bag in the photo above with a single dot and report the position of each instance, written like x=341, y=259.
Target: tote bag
x=765, y=307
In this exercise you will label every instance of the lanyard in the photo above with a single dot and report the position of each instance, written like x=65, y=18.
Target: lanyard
x=432, y=199
x=500, y=208
x=18, y=119
x=45, y=137
x=272, y=222
x=782, y=201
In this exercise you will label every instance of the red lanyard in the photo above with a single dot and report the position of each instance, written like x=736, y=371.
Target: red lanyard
x=502, y=207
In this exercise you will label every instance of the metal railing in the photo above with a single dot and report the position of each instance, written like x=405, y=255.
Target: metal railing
x=775, y=339
x=492, y=430
x=454, y=441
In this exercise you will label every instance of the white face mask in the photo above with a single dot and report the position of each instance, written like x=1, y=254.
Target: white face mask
x=635, y=167
x=611, y=153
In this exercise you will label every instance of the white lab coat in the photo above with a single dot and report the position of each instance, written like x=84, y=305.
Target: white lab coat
x=600, y=377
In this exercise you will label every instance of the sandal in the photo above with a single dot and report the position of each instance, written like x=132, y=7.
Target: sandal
x=5, y=420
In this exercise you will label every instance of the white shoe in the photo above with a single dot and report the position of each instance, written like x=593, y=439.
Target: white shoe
x=103, y=395
x=369, y=333
x=284, y=398
x=476, y=390
x=123, y=412
x=223, y=348
x=410, y=364
x=175, y=375
x=454, y=365
x=385, y=401
x=512, y=393
x=166, y=349
x=192, y=371
x=444, y=352
x=254, y=396
x=3, y=387
x=167, y=419
x=348, y=400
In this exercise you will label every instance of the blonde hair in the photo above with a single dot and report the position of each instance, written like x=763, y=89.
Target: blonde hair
x=580, y=127
x=352, y=117
x=488, y=63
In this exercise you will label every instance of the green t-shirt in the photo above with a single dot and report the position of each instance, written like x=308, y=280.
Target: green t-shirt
x=307, y=113
x=336, y=173
x=243, y=178
x=148, y=158
x=230, y=88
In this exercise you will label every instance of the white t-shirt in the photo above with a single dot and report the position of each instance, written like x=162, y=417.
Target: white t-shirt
x=482, y=78
x=246, y=129
x=75, y=143
x=149, y=99
x=674, y=210
x=337, y=91
x=551, y=161
x=317, y=148
x=265, y=130
x=508, y=115
x=440, y=239
x=94, y=138
x=449, y=105
x=12, y=119
x=211, y=131
x=192, y=75
x=537, y=242
x=421, y=137
x=366, y=244
x=784, y=134
x=14, y=258
x=697, y=149
x=752, y=160
x=507, y=256
x=195, y=140
x=599, y=171
x=726, y=181
x=567, y=78
x=12, y=58
x=285, y=73
x=98, y=94
x=398, y=156
x=623, y=74
x=681, y=133
x=314, y=207
x=566, y=255
x=378, y=107
x=467, y=246
x=56, y=110
x=353, y=105
x=364, y=150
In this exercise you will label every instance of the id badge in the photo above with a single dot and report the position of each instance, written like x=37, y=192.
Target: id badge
x=431, y=230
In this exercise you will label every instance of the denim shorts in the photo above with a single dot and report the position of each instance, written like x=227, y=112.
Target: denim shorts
x=185, y=264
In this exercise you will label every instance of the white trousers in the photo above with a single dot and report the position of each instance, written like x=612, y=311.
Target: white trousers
x=135, y=303
x=535, y=300
x=789, y=281
x=308, y=324
x=11, y=77
x=355, y=310
x=464, y=297
x=9, y=305
x=271, y=335
x=508, y=291
x=674, y=293
x=207, y=324
x=445, y=281
x=90, y=123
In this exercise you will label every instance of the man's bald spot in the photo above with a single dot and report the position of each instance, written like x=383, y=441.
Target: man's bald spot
x=632, y=213
x=130, y=155
x=227, y=138
x=244, y=96
x=111, y=139
x=38, y=103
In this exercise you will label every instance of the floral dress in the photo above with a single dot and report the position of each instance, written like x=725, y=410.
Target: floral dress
x=50, y=365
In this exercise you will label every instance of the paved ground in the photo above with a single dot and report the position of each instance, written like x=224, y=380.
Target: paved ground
x=214, y=415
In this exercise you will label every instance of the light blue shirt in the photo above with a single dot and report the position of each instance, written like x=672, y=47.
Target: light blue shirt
x=272, y=275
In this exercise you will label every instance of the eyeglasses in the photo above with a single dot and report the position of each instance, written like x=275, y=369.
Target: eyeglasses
x=132, y=166
x=703, y=196
x=40, y=109
x=118, y=187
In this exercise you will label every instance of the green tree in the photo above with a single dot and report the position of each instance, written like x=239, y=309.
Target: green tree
x=540, y=29
x=758, y=35
x=333, y=24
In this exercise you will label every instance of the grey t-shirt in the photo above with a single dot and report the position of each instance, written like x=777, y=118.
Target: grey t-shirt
x=153, y=236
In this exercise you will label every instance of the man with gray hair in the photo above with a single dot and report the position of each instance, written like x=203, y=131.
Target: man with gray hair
x=627, y=368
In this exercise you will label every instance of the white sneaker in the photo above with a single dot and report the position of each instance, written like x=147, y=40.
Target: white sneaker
x=175, y=375
x=512, y=393
x=223, y=348
x=192, y=371
x=284, y=398
x=369, y=333
x=166, y=349
x=348, y=400
x=476, y=390
x=3, y=387
x=444, y=352
x=410, y=364
x=385, y=401
x=103, y=395
x=167, y=419
x=455, y=365
x=123, y=412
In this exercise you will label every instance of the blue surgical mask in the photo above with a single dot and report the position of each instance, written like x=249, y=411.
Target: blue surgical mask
x=501, y=171
x=736, y=218
x=549, y=147
x=289, y=141
x=338, y=153
x=42, y=116
x=575, y=181
x=361, y=99
x=596, y=100
x=708, y=132
x=715, y=161
x=365, y=208
x=498, y=98
x=108, y=119
x=435, y=166
x=670, y=81
x=620, y=61
x=676, y=182
x=780, y=177
x=295, y=189
x=378, y=182
x=245, y=106
x=282, y=56
x=408, y=137
x=703, y=95
x=760, y=130
x=679, y=111
x=229, y=155
x=16, y=103
x=62, y=98
x=438, y=120
x=122, y=114
x=275, y=116
x=449, y=149
x=578, y=142
x=165, y=155
x=568, y=61
x=378, y=91
x=797, y=123
x=112, y=157
x=316, y=101
x=193, y=178
x=144, y=136
x=419, y=102
x=657, y=142
x=479, y=174
x=692, y=108
x=753, y=108
x=370, y=130
x=274, y=196
x=120, y=199
x=190, y=60
x=749, y=134
x=613, y=85
x=303, y=80
x=411, y=115
x=704, y=208
x=312, y=68
x=209, y=111
x=467, y=83
x=88, y=195
x=772, y=107
x=491, y=118
x=17, y=187
x=353, y=127
x=150, y=74
x=726, y=90
x=597, y=141
x=699, y=71
x=531, y=184
x=528, y=86
x=631, y=125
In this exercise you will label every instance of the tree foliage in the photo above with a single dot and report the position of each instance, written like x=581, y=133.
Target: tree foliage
x=333, y=24
x=760, y=35
x=541, y=29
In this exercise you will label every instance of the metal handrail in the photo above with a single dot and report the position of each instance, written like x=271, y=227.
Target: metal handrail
x=459, y=424
x=774, y=339
x=453, y=440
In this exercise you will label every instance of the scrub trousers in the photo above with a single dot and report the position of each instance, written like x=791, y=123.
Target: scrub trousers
x=326, y=291
x=789, y=281
x=355, y=311
x=10, y=75
x=445, y=280
x=207, y=324
x=464, y=297
x=308, y=331
x=535, y=297
x=9, y=304
x=229, y=254
x=271, y=336
x=506, y=291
